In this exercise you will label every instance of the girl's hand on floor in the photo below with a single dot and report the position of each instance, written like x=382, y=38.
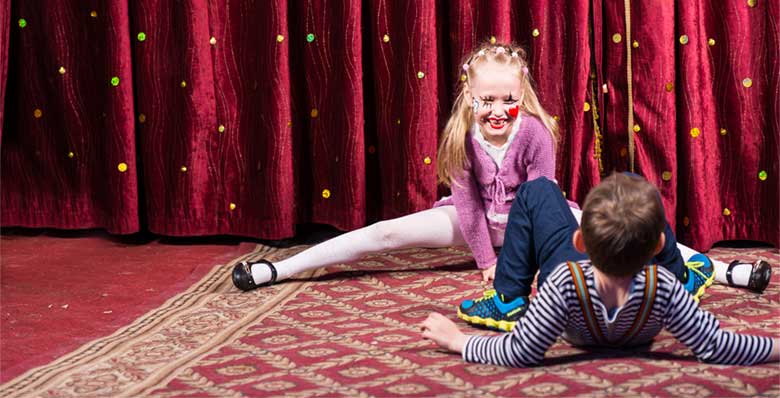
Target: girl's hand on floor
x=488, y=274
x=443, y=332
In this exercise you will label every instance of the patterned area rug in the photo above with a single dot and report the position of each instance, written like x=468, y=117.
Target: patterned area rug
x=353, y=331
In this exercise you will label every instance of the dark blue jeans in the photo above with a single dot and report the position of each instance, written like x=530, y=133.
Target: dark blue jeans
x=538, y=238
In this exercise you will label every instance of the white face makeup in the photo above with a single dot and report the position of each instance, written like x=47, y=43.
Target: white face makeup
x=496, y=92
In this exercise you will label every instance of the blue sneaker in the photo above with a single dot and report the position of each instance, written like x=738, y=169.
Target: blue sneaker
x=700, y=274
x=490, y=312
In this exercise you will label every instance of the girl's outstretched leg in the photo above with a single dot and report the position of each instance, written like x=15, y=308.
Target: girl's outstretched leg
x=755, y=276
x=437, y=227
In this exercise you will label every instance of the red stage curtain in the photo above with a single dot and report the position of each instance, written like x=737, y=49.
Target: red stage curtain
x=705, y=111
x=69, y=141
x=5, y=15
x=247, y=118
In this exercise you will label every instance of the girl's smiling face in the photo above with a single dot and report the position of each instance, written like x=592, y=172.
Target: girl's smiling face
x=496, y=94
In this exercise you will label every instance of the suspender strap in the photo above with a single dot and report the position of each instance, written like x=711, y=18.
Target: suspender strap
x=587, y=307
x=643, y=314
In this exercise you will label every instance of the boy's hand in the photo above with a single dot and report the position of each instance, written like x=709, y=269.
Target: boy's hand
x=488, y=274
x=443, y=332
x=774, y=356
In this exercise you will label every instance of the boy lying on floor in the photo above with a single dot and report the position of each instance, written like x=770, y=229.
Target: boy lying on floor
x=614, y=299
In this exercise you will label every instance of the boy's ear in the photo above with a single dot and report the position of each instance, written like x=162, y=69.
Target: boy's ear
x=578, y=242
x=661, y=243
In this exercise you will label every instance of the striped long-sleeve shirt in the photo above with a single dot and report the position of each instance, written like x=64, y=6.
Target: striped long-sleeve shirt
x=556, y=311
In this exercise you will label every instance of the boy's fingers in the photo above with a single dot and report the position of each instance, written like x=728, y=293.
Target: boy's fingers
x=427, y=323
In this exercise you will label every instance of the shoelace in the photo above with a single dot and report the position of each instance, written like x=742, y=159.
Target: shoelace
x=695, y=266
x=487, y=294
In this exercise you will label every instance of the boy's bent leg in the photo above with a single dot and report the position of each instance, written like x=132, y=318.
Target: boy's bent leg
x=538, y=237
x=696, y=273
x=539, y=228
x=670, y=257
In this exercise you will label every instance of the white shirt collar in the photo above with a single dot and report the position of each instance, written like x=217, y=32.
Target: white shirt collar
x=484, y=142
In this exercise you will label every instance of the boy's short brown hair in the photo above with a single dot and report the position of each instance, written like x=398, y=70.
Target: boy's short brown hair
x=622, y=221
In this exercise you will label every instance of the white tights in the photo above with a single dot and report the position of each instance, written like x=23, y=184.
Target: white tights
x=436, y=227
x=433, y=228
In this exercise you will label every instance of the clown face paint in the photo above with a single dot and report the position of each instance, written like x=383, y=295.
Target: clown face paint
x=496, y=92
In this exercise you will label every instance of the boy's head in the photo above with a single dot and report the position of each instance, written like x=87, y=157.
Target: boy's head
x=622, y=224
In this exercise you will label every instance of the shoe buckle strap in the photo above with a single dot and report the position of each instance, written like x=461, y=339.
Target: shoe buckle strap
x=248, y=267
x=729, y=270
x=273, y=272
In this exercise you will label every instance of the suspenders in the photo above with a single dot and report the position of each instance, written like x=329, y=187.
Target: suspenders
x=586, y=304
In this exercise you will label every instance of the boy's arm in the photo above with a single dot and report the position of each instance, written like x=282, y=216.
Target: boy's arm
x=532, y=336
x=524, y=346
x=700, y=331
x=443, y=332
x=774, y=356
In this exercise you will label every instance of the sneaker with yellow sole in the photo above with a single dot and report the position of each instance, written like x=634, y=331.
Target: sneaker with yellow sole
x=492, y=312
x=699, y=275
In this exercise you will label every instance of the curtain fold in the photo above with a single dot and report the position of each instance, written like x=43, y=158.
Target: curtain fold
x=648, y=145
x=5, y=16
x=68, y=142
x=215, y=118
x=727, y=127
x=405, y=111
x=556, y=35
x=250, y=117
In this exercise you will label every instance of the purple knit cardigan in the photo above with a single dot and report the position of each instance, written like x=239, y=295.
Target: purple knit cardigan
x=482, y=185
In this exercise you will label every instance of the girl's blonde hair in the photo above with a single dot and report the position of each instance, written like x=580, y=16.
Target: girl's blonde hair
x=452, y=159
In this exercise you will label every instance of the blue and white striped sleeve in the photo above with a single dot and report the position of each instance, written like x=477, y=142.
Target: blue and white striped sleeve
x=529, y=340
x=701, y=332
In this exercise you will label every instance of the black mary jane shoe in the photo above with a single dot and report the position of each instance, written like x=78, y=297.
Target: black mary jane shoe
x=242, y=275
x=760, y=275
